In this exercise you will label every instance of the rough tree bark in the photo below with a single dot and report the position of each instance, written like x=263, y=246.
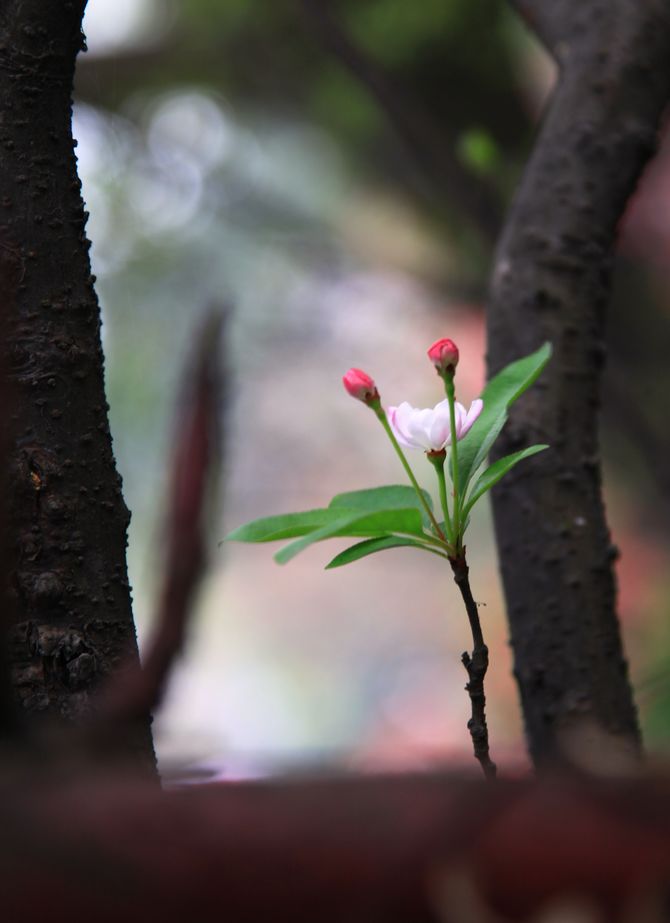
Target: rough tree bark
x=66, y=515
x=551, y=281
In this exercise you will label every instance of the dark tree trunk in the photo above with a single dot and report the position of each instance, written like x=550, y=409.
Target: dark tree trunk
x=551, y=281
x=67, y=518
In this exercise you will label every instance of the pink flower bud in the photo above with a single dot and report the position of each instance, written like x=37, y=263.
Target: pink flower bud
x=360, y=386
x=444, y=355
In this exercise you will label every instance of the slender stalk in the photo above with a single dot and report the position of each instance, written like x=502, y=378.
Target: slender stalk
x=476, y=666
x=381, y=416
x=437, y=460
x=451, y=397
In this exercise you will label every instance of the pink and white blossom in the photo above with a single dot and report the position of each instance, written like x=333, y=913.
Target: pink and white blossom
x=430, y=429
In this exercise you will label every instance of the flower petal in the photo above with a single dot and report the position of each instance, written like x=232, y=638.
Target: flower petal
x=397, y=417
x=440, y=429
x=429, y=428
x=419, y=428
x=475, y=409
x=459, y=416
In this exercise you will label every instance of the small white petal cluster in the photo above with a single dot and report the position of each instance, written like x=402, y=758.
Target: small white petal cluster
x=430, y=429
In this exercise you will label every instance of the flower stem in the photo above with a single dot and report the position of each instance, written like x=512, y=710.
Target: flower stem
x=476, y=666
x=451, y=397
x=437, y=460
x=381, y=416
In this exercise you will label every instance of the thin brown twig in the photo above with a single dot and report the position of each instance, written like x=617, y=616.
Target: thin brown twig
x=476, y=666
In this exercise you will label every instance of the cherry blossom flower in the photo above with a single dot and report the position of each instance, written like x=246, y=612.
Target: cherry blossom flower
x=430, y=429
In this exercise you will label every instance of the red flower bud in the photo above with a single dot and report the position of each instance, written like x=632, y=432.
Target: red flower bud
x=444, y=355
x=360, y=386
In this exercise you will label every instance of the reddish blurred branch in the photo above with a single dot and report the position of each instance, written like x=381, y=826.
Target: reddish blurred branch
x=384, y=850
x=195, y=465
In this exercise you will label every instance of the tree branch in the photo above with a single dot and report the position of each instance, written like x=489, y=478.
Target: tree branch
x=551, y=281
x=136, y=691
x=384, y=850
x=476, y=667
x=551, y=22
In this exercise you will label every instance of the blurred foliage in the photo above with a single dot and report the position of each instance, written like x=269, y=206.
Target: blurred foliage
x=457, y=64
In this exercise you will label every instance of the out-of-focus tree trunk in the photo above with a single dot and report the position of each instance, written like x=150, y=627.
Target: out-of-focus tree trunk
x=551, y=281
x=66, y=515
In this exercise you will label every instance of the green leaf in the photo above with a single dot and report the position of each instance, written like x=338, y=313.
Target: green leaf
x=286, y=525
x=498, y=470
x=498, y=395
x=357, y=522
x=372, y=545
x=394, y=497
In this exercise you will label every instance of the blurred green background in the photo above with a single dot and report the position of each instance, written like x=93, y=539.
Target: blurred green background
x=337, y=174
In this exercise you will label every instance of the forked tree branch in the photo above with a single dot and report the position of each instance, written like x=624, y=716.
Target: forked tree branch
x=551, y=22
x=551, y=281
